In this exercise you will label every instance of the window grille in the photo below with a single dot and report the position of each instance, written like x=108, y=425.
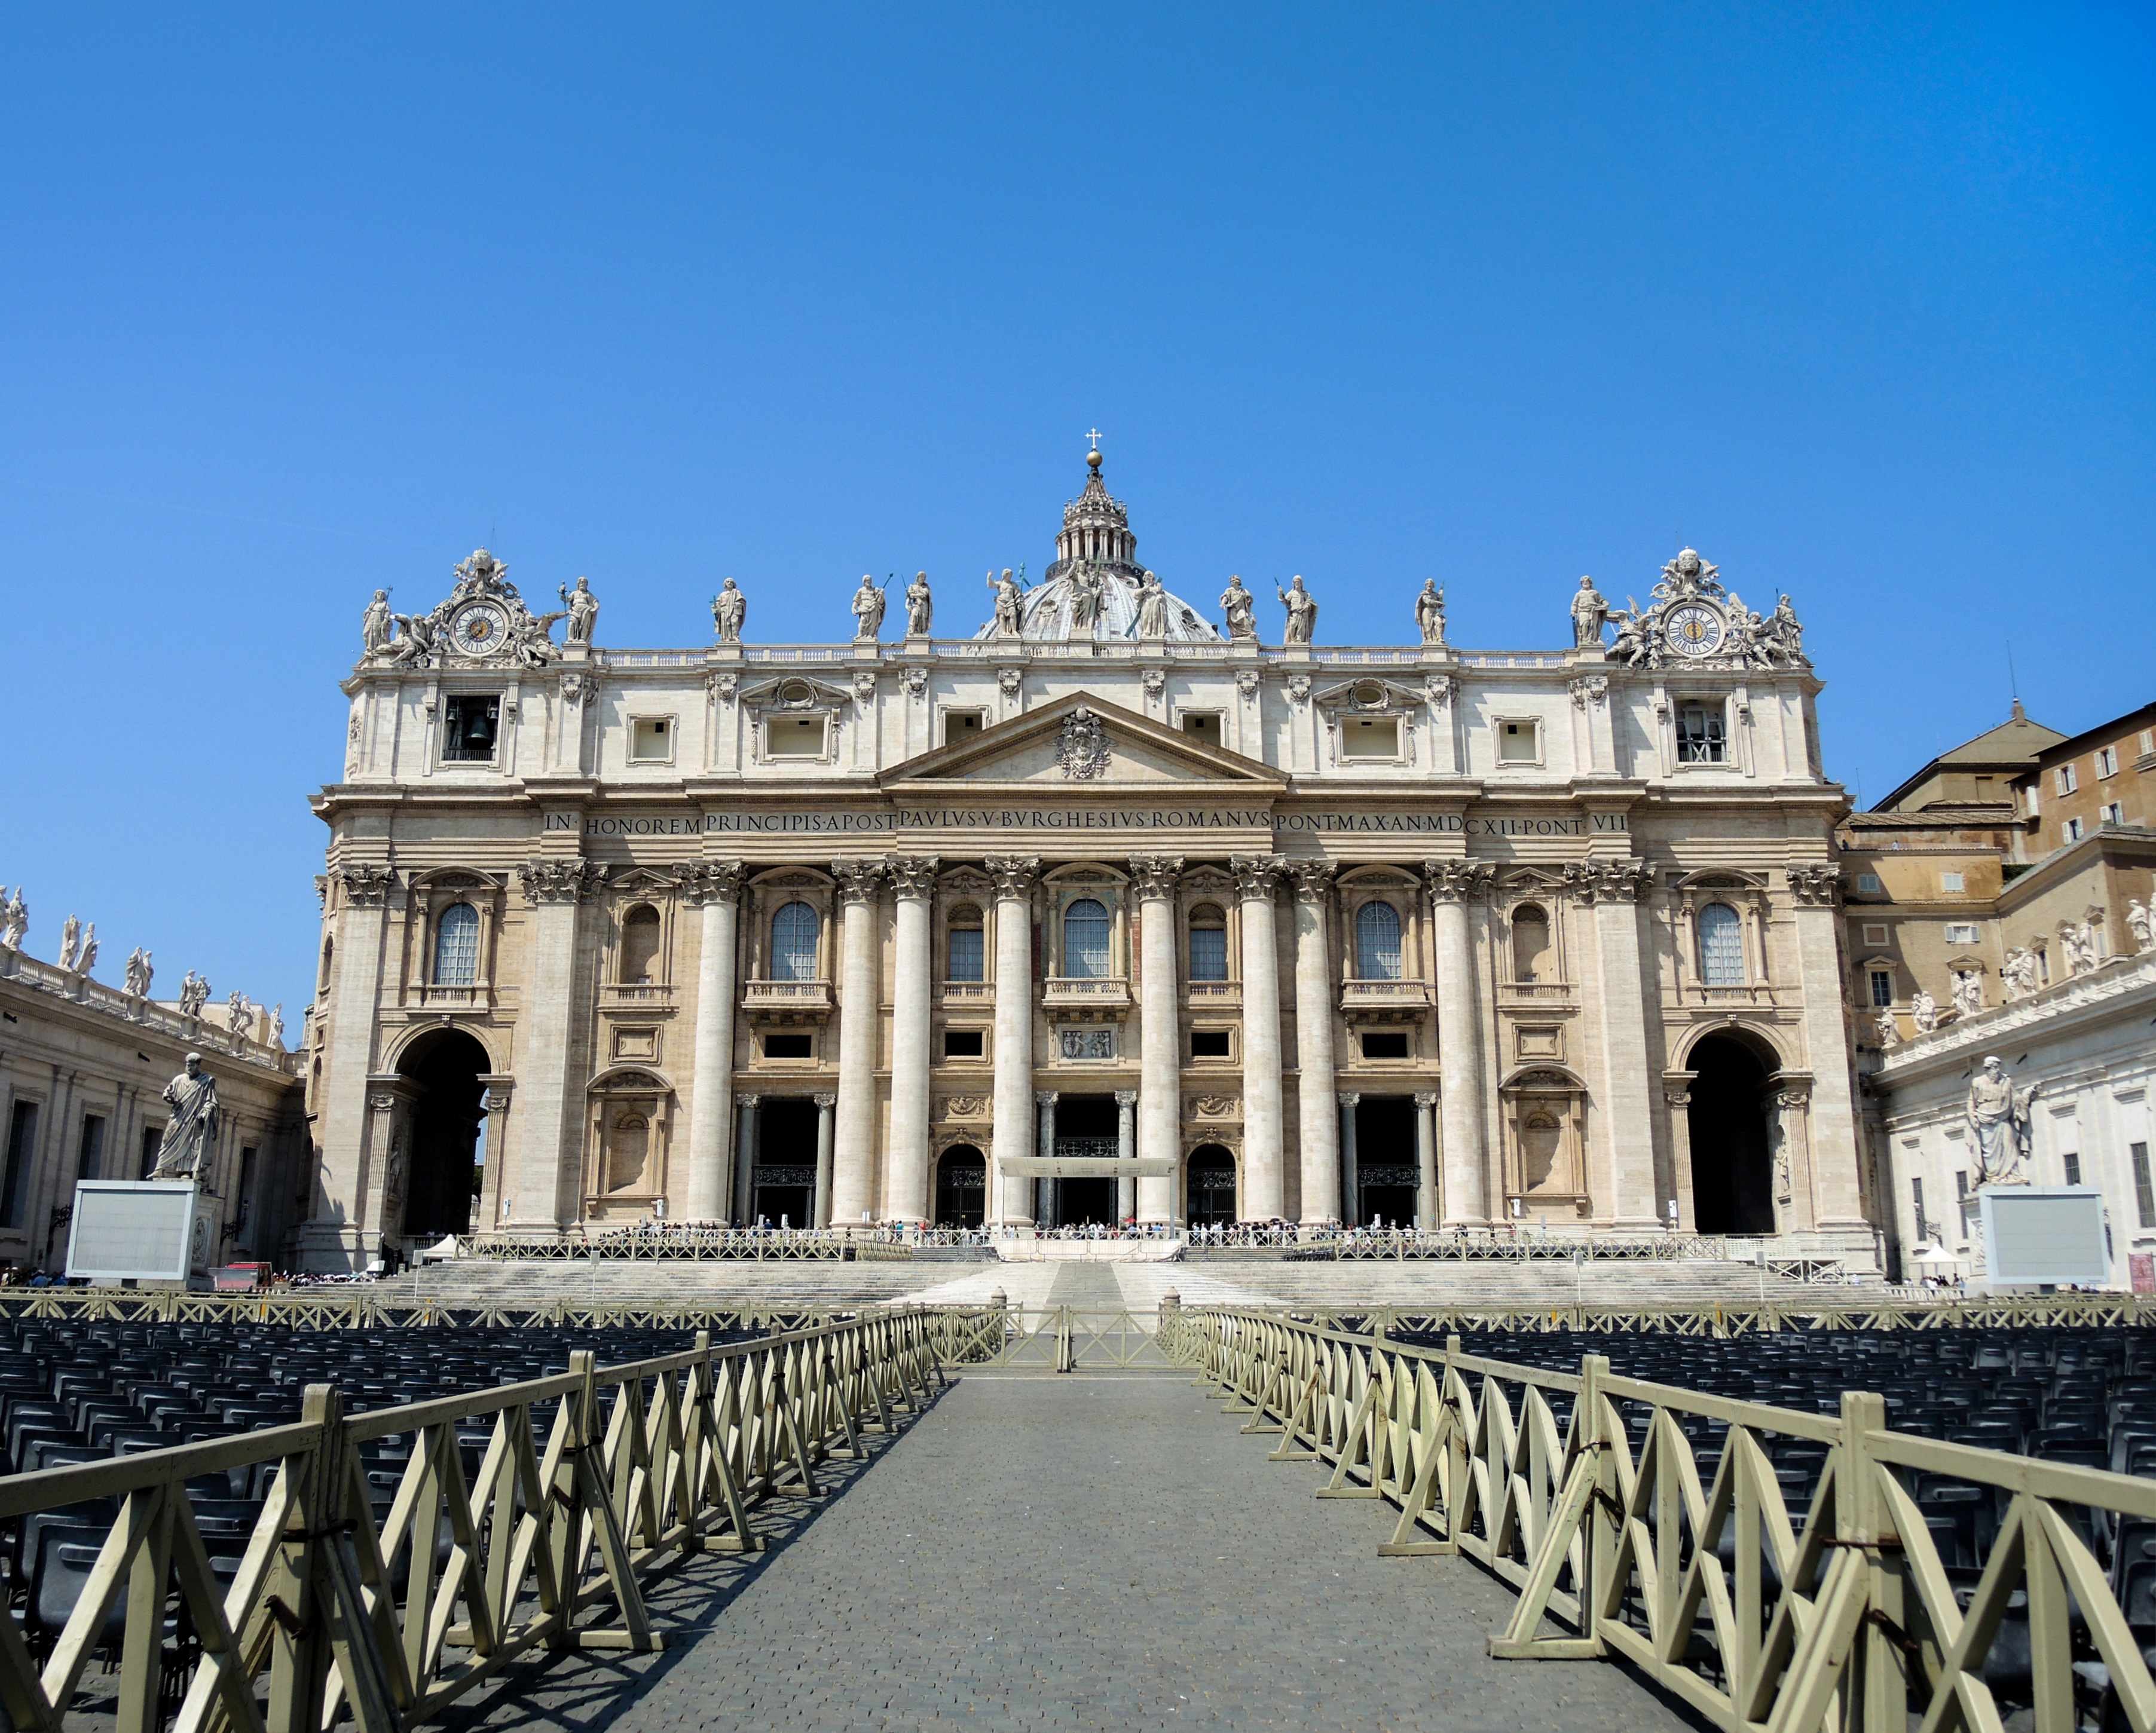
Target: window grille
x=1377, y=942
x=1721, y=947
x=793, y=943
x=968, y=955
x=1208, y=953
x=456, y=946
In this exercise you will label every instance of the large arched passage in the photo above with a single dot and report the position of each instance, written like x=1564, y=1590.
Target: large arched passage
x=1210, y=1202
x=442, y=1178
x=962, y=1188
x=1732, y=1185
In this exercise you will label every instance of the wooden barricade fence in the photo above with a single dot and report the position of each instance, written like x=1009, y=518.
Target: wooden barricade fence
x=1584, y=1493
x=585, y=1481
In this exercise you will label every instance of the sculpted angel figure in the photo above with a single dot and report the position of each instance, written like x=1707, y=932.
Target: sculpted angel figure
x=1009, y=604
x=1924, y=1012
x=1152, y=607
x=417, y=642
x=1430, y=612
x=16, y=922
x=729, y=611
x=70, y=937
x=1998, y=1118
x=190, y=1138
x=1301, y=611
x=1634, y=643
x=919, y=606
x=584, y=608
x=1240, y=607
x=375, y=625
x=2141, y=924
x=1968, y=992
x=1588, y=612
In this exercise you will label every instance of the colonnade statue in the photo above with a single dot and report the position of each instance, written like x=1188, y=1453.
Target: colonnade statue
x=190, y=1140
x=1998, y=1116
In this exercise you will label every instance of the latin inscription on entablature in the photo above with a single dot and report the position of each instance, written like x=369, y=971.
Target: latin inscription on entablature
x=1053, y=819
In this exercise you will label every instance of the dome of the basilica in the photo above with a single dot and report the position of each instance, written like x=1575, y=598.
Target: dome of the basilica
x=1092, y=590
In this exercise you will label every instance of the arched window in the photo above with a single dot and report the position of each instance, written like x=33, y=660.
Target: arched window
x=1085, y=940
x=1377, y=942
x=793, y=943
x=640, y=932
x=1721, y=947
x=1531, y=943
x=967, y=959
x=456, y=946
x=1209, y=944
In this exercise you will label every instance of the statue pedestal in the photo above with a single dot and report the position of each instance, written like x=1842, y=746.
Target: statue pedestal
x=141, y=1231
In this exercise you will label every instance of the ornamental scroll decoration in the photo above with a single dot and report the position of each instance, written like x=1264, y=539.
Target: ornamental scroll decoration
x=365, y=887
x=560, y=881
x=1608, y=881
x=483, y=624
x=1692, y=621
x=1082, y=751
x=965, y=1107
x=1814, y=884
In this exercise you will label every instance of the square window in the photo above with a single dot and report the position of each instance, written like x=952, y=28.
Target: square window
x=1203, y=725
x=471, y=723
x=962, y=725
x=1961, y=932
x=651, y=740
x=1883, y=988
x=1519, y=743
x=1950, y=881
x=1385, y=1047
x=1869, y=882
x=1209, y=1044
x=1874, y=932
x=1369, y=737
x=964, y=1045
x=795, y=736
x=789, y=1047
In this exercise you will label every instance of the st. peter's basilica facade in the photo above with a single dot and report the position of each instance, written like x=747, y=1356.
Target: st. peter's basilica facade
x=1106, y=912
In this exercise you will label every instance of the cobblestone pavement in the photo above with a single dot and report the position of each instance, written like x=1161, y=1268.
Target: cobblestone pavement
x=1078, y=1552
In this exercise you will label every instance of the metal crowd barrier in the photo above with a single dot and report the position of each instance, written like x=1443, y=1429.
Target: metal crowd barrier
x=586, y=1481
x=1840, y=1615
x=383, y=1307
x=693, y=1244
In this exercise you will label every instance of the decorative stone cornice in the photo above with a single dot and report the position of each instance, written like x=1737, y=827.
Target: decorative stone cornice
x=1608, y=881
x=1814, y=884
x=1256, y=875
x=1012, y=874
x=1459, y=881
x=560, y=881
x=913, y=874
x=859, y=880
x=365, y=887
x=1154, y=876
x=1313, y=880
x=711, y=881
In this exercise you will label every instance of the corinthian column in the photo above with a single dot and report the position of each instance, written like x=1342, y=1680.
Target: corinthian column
x=550, y=1147
x=1454, y=886
x=1264, y=1194
x=1614, y=888
x=1160, y=1048
x=714, y=886
x=1127, y=1191
x=1318, y=1114
x=854, y=1156
x=1013, y=1136
x=905, y=1191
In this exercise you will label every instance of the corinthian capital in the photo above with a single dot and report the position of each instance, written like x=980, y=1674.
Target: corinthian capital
x=1256, y=875
x=1012, y=874
x=1459, y=881
x=560, y=881
x=1610, y=881
x=1313, y=879
x=913, y=874
x=1155, y=874
x=859, y=880
x=365, y=887
x=1814, y=884
x=711, y=881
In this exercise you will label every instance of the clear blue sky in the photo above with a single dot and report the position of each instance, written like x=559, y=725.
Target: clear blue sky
x=299, y=302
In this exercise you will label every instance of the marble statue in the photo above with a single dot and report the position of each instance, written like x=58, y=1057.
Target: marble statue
x=729, y=611
x=1301, y=611
x=1924, y=1012
x=1968, y=992
x=583, y=613
x=1152, y=607
x=1009, y=599
x=1636, y=637
x=70, y=937
x=1430, y=612
x=86, y=958
x=194, y=994
x=14, y=921
x=1241, y=608
x=239, y=1015
x=2017, y=974
x=919, y=606
x=376, y=624
x=189, y=1144
x=138, y=973
x=1086, y=584
x=2141, y=924
x=1784, y=636
x=277, y=1024
x=1588, y=612
x=868, y=611
x=2077, y=943
x=1888, y=1031
x=1998, y=1116
x=416, y=644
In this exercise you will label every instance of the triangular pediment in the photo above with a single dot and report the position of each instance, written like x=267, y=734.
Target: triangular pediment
x=1036, y=750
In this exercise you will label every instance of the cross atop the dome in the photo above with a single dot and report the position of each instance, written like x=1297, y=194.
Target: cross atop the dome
x=1095, y=437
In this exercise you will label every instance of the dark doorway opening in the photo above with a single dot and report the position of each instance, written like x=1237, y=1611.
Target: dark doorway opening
x=1385, y=1164
x=443, y=1175
x=1731, y=1166
x=1085, y=1130
x=962, y=1188
x=1085, y=1203
x=1209, y=1175
x=785, y=1177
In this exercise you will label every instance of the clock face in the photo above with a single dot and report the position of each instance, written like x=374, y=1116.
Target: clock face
x=480, y=630
x=1693, y=630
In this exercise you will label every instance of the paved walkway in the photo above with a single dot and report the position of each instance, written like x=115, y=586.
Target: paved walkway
x=1078, y=1552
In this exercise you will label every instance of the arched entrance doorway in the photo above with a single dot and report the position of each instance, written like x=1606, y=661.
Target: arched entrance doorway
x=443, y=1175
x=1209, y=1180
x=1733, y=1168
x=962, y=1188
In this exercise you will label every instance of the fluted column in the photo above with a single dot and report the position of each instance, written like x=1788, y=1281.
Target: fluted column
x=1426, y=1159
x=820, y=1210
x=714, y=886
x=1264, y=1194
x=906, y=1193
x=853, y=1170
x=745, y=1161
x=1454, y=886
x=1012, y=879
x=1044, y=1102
x=1160, y=1040
x=1126, y=1187
x=1317, y=1118
x=1351, y=1180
